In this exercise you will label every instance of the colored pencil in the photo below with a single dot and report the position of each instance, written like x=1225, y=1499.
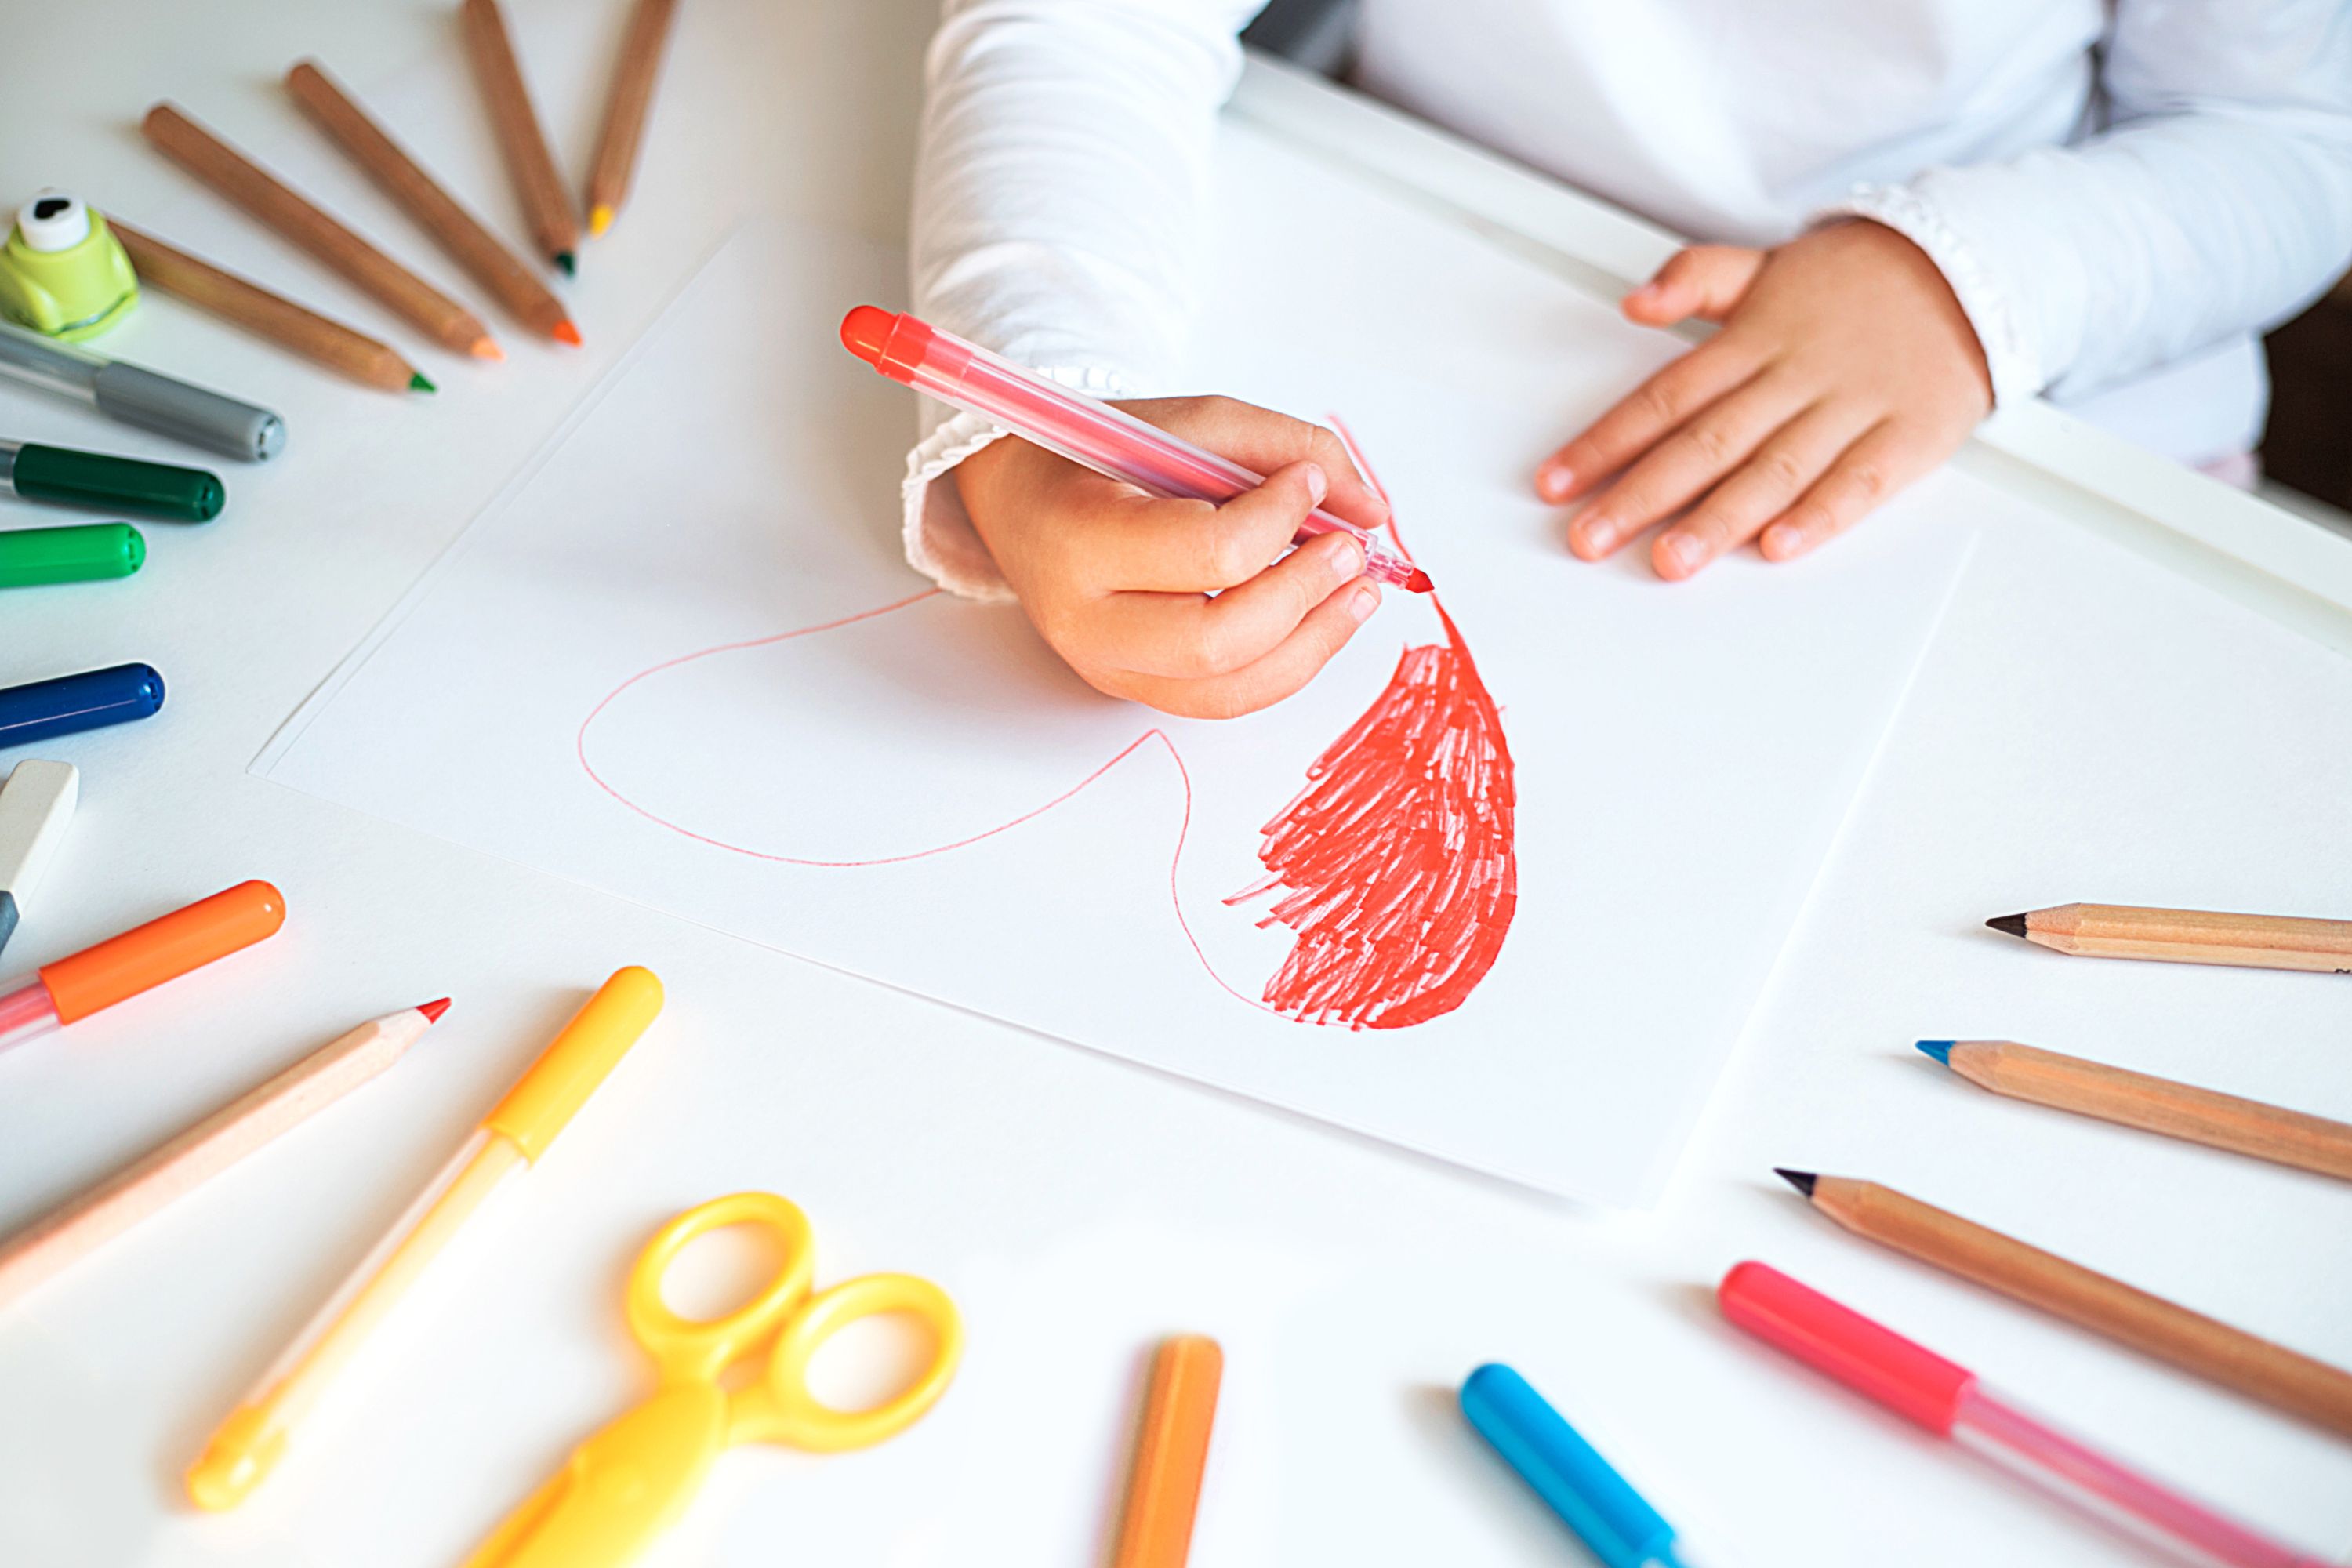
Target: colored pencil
x=2153, y=1104
x=2287, y=1380
x=554, y=224
x=281, y=321
x=278, y=206
x=1163, y=1490
x=406, y=181
x=203, y=1150
x=624, y=114
x=2186, y=936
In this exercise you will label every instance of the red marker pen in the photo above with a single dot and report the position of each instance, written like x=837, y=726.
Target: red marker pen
x=1107, y=440
x=138, y=960
x=1946, y=1398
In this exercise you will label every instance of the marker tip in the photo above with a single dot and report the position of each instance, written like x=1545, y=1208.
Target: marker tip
x=1419, y=582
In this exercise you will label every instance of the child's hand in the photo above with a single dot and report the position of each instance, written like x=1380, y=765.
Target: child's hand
x=1844, y=371
x=1119, y=582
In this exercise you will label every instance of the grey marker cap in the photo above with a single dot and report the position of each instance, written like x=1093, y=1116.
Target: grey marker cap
x=188, y=413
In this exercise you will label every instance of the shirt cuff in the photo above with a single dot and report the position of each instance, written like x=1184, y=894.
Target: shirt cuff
x=939, y=539
x=2015, y=369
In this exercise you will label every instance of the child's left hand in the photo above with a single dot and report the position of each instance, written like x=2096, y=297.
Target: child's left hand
x=1846, y=369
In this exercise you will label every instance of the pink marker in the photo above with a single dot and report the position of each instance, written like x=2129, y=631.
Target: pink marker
x=1110, y=442
x=1946, y=1399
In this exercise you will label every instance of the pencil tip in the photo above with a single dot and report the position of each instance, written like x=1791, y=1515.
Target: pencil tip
x=1801, y=1180
x=433, y=1010
x=2013, y=924
x=1939, y=1049
x=565, y=332
x=600, y=218
x=1419, y=582
x=417, y=383
x=487, y=348
x=566, y=263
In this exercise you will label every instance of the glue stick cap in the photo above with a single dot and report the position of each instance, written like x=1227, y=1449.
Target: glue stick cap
x=146, y=956
x=53, y=221
x=559, y=1082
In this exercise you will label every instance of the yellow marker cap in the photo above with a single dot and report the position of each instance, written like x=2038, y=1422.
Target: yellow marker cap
x=545, y=1098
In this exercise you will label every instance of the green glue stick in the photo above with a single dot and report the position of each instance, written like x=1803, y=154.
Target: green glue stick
x=97, y=482
x=32, y=556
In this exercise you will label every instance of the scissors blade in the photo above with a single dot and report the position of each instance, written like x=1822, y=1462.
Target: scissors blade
x=619, y=1489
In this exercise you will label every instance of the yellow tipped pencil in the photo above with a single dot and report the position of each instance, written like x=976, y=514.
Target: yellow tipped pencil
x=2186, y=936
x=624, y=114
x=2153, y=1104
x=2284, y=1379
x=253, y=1439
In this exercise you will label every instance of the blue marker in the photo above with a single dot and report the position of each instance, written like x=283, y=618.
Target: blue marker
x=1607, y=1515
x=96, y=697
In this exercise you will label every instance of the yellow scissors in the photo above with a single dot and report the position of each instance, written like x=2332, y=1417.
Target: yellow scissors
x=631, y=1480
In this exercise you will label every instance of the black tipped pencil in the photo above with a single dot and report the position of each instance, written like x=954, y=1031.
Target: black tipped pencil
x=2153, y=1104
x=2186, y=936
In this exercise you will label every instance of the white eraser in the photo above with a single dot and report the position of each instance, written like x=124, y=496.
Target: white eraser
x=36, y=805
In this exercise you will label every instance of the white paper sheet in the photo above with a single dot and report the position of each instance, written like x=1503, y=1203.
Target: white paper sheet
x=598, y=681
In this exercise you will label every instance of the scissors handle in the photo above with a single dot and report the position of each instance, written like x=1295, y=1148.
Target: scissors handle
x=784, y=1410
x=695, y=1349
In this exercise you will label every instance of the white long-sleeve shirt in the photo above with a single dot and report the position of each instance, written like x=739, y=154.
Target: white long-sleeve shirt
x=2121, y=193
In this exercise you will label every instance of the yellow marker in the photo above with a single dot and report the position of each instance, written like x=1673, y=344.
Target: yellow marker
x=249, y=1444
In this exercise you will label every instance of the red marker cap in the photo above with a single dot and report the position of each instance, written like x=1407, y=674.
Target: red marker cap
x=146, y=956
x=1869, y=1358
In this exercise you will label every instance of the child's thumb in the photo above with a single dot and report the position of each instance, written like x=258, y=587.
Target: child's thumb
x=1706, y=281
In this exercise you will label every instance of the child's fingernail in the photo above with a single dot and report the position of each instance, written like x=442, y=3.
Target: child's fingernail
x=1347, y=558
x=1552, y=481
x=1315, y=483
x=1597, y=535
x=1781, y=539
x=1684, y=551
x=1363, y=603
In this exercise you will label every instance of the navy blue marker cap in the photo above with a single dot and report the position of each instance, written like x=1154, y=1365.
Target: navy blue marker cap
x=91, y=701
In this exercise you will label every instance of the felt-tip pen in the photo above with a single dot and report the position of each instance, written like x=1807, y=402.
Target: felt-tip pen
x=1591, y=1499
x=136, y=396
x=141, y=959
x=99, y=481
x=1108, y=440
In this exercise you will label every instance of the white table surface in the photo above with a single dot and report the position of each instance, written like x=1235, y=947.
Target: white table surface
x=2089, y=725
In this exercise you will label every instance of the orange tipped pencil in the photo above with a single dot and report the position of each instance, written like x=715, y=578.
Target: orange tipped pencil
x=2186, y=936
x=1163, y=1492
x=406, y=181
x=2153, y=1104
x=178, y=1167
x=281, y=321
x=280, y=207
x=553, y=226
x=625, y=115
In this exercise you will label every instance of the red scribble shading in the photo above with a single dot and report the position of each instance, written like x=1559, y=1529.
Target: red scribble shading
x=1399, y=857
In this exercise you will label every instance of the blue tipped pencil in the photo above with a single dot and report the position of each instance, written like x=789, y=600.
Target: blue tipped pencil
x=1607, y=1515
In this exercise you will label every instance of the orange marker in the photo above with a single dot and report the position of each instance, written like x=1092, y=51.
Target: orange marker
x=1164, y=1490
x=140, y=959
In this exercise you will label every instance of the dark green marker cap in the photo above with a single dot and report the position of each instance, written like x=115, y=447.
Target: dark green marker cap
x=31, y=556
x=102, y=483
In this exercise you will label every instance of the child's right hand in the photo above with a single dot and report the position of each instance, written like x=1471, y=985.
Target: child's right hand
x=1119, y=582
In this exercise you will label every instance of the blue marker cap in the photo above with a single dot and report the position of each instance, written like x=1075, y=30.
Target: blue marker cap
x=1607, y=1515
x=96, y=697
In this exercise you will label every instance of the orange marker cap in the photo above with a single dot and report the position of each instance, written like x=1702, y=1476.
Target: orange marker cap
x=146, y=956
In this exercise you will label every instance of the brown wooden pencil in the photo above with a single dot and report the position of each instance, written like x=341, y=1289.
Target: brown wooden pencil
x=400, y=176
x=2187, y=936
x=210, y=1146
x=2255, y=1367
x=2154, y=1104
x=283, y=321
x=624, y=114
x=554, y=224
x=277, y=205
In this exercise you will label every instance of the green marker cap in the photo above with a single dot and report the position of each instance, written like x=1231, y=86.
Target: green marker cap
x=32, y=556
x=99, y=482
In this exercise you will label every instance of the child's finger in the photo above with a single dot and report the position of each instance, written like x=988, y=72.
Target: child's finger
x=1190, y=636
x=1764, y=487
x=1294, y=662
x=1705, y=281
x=1633, y=425
x=1191, y=547
x=1670, y=475
x=1261, y=440
x=1870, y=470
